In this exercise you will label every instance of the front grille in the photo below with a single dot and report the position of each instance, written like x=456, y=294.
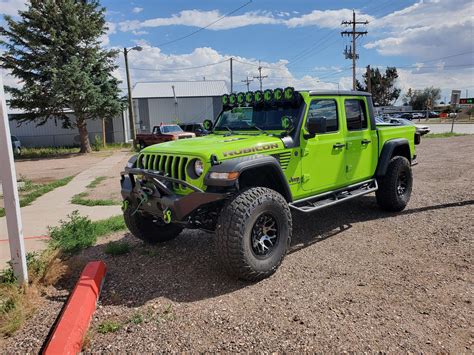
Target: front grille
x=284, y=159
x=171, y=165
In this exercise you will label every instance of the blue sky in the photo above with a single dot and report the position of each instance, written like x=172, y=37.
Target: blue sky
x=297, y=42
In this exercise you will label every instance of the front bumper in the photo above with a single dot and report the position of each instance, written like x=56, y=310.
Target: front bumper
x=151, y=191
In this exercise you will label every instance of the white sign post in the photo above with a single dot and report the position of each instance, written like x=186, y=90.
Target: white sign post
x=455, y=97
x=10, y=195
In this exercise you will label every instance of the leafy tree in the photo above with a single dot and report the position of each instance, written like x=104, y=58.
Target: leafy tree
x=384, y=91
x=419, y=99
x=54, y=49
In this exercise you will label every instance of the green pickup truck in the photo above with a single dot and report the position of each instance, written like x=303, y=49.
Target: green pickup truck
x=269, y=152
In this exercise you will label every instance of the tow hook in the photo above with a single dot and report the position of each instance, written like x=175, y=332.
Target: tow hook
x=167, y=216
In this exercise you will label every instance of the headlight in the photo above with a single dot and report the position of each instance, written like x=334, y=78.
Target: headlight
x=198, y=167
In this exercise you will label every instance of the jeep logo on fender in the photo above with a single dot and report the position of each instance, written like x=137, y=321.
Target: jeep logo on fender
x=259, y=148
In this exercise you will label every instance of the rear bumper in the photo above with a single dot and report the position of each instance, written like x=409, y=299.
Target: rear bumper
x=151, y=191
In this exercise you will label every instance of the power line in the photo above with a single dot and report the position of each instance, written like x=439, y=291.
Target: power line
x=183, y=68
x=207, y=26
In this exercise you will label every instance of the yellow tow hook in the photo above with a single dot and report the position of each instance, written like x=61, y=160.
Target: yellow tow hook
x=167, y=216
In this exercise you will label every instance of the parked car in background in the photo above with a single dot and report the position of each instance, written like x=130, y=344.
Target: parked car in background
x=407, y=116
x=162, y=133
x=196, y=128
x=433, y=114
x=16, y=145
x=418, y=115
x=421, y=129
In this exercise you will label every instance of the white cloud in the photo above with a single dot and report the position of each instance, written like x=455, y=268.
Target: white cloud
x=325, y=18
x=105, y=38
x=139, y=33
x=198, y=18
x=164, y=66
x=11, y=7
x=137, y=10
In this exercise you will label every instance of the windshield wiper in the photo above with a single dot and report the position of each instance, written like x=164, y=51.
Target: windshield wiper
x=260, y=129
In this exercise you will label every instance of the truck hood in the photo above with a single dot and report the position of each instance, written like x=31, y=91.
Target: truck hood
x=222, y=146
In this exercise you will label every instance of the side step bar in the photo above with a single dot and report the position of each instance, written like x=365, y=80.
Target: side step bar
x=330, y=198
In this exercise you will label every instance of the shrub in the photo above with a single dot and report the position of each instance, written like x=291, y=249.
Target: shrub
x=74, y=234
x=108, y=326
x=98, y=144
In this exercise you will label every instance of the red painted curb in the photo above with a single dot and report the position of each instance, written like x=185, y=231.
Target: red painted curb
x=72, y=326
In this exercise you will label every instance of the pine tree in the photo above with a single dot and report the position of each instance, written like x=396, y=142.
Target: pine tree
x=54, y=48
x=384, y=92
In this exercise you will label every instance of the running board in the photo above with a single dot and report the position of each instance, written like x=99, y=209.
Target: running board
x=330, y=198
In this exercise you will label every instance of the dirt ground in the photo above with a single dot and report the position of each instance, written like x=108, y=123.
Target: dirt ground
x=355, y=279
x=42, y=171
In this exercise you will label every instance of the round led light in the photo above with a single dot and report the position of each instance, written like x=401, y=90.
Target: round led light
x=232, y=99
x=225, y=100
x=249, y=97
x=258, y=96
x=240, y=98
x=268, y=95
x=198, y=167
x=289, y=93
x=278, y=94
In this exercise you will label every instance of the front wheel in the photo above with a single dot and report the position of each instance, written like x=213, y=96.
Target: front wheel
x=253, y=233
x=395, y=187
x=149, y=229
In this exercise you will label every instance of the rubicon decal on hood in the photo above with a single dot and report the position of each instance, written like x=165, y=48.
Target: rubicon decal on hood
x=258, y=148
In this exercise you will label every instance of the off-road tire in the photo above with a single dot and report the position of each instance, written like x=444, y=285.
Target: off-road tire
x=144, y=227
x=388, y=196
x=234, y=233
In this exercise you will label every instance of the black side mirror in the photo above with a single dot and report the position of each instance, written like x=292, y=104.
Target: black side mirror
x=316, y=125
x=207, y=124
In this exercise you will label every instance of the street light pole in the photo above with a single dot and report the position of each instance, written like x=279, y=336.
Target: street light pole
x=129, y=92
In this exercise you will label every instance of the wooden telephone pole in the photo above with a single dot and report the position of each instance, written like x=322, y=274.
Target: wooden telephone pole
x=247, y=82
x=260, y=77
x=351, y=53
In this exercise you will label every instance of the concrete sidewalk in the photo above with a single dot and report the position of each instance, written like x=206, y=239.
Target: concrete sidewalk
x=56, y=205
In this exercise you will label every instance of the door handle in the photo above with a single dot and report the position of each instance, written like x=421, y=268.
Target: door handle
x=365, y=141
x=338, y=145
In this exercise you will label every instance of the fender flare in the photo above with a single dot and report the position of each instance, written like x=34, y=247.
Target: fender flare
x=243, y=164
x=387, y=154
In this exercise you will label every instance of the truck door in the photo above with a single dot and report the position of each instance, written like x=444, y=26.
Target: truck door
x=323, y=159
x=361, y=141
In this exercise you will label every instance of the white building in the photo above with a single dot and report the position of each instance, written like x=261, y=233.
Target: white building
x=176, y=101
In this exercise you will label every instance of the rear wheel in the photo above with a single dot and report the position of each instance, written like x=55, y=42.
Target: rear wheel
x=253, y=233
x=395, y=187
x=148, y=228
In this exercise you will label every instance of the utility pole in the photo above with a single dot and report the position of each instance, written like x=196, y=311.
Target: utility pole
x=247, y=82
x=352, y=54
x=231, y=76
x=369, y=79
x=129, y=91
x=260, y=77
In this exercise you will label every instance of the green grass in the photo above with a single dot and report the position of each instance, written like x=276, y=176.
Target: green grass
x=79, y=232
x=444, y=135
x=136, y=318
x=81, y=199
x=94, y=183
x=38, y=191
x=108, y=326
x=117, y=248
x=46, y=152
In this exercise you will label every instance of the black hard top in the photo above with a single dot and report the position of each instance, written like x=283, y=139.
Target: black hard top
x=337, y=93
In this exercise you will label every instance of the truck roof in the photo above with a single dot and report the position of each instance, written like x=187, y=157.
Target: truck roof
x=338, y=92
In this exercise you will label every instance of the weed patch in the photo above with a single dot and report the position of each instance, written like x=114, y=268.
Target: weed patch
x=46, y=152
x=81, y=199
x=117, y=248
x=94, y=183
x=108, y=326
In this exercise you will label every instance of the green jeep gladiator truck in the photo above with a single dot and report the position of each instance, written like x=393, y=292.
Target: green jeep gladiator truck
x=269, y=152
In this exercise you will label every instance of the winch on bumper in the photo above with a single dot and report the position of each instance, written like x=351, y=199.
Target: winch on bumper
x=150, y=191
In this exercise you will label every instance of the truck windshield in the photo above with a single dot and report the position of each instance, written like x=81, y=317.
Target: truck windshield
x=170, y=129
x=249, y=118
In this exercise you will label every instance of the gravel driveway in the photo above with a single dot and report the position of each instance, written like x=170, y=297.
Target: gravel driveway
x=356, y=279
